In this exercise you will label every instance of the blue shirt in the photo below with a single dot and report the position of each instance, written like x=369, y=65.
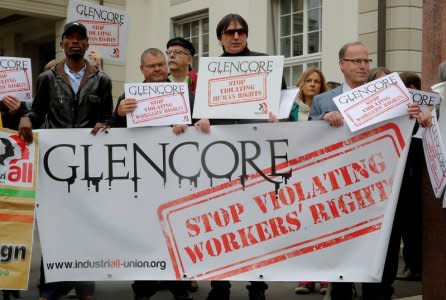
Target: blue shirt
x=74, y=77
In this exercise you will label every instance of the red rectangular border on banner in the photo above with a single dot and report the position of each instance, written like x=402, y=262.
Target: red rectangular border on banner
x=184, y=105
x=238, y=100
x=389, y=131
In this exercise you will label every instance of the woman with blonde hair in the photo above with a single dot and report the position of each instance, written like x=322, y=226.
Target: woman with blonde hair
x=311, y=83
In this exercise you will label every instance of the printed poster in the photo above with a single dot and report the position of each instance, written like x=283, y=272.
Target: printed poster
x=159, y=104
x=16, y=78
x=374, y=102
x=435, y=155
x=18, y=181
x=240, y=87
x=287, y=98
x=427, y=101
x=107, y=28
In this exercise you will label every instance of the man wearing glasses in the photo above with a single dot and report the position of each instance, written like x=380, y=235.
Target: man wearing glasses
x=354, y=62
x=153, y=67
x=232, y=33
x=179, y=58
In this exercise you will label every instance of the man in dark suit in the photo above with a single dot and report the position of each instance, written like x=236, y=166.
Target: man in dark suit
x=354, y=62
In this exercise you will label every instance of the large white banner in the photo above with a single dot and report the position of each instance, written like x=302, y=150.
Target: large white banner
x=142, y=203
x=240, y=87
x=107, y=27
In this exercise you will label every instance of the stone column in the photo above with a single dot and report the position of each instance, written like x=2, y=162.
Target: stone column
x=434, y=216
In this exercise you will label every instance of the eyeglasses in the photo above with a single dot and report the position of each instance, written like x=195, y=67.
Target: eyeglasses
x=176, y=52
x=231, y=32
x=358, y=61
x=153, y=66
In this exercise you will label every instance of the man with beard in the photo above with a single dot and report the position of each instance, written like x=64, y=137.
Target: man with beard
x=72, y=94
x=179, y=58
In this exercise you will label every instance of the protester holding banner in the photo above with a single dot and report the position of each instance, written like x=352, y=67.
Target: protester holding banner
x=73, y=80
x=73, y=94
x=354, y=63
x=232, y=33
x=179, y=53
x=179, y=58
x=311, y=83
x=153, y=67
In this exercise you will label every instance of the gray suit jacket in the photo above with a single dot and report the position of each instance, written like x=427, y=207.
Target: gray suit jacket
x=323, y=103
x=442, y=71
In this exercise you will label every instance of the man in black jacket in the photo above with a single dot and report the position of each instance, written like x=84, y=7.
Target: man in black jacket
x=232, y=33
x=73, y=94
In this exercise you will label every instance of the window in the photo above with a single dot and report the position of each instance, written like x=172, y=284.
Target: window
x=300, y=35
x=196, y=30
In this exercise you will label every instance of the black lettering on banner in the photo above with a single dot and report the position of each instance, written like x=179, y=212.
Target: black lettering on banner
x=246, y=66
x=13, y=64
x=9, y=253
x=117, y=167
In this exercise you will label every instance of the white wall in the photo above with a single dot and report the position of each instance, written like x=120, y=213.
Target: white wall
x=151, y=25
x=339, y=26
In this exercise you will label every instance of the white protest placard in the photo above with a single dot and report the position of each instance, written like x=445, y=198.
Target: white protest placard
x=427, y=101
x=107, y=28
x=239, y=87
x=376, y=101
x=440, y=88
x=434, y=152
x=240, y=202
x=287, y=98
x=160, y=103
x=16, y=78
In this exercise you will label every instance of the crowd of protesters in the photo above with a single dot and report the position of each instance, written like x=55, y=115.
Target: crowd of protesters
x=76, y=82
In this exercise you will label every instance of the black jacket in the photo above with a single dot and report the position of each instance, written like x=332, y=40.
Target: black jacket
x=56, y=103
